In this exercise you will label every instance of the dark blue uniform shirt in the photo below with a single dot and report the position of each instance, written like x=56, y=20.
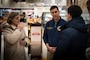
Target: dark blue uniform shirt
x=51, y=33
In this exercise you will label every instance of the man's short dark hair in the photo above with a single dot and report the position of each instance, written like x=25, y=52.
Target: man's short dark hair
x=53, y=7
x=75, y=11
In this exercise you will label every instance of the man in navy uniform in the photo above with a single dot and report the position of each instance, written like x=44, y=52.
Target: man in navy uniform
x=52, y=31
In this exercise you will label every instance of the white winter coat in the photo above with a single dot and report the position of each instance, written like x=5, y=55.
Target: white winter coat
x=12, y=48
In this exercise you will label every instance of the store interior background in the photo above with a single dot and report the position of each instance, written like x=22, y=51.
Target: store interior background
x=41, y=8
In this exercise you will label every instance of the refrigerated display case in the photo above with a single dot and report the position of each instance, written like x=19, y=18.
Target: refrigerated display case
x=46, y=16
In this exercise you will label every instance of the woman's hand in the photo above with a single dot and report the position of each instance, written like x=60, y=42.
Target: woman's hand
x=20, y=26
x=22, y=42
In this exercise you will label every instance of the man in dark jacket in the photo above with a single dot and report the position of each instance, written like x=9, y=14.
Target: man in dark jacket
x=73, y=40
x=52, y=31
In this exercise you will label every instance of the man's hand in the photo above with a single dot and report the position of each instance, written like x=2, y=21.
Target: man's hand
x=51, y=49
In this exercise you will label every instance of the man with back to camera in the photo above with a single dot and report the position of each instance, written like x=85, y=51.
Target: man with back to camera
x=73, y=40
x=52, y=31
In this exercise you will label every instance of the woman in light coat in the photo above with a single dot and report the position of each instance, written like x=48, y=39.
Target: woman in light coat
x=14, y=38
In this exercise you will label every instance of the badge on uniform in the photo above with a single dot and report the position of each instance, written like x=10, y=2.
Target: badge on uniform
x=49, y=28
x=58, y=28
